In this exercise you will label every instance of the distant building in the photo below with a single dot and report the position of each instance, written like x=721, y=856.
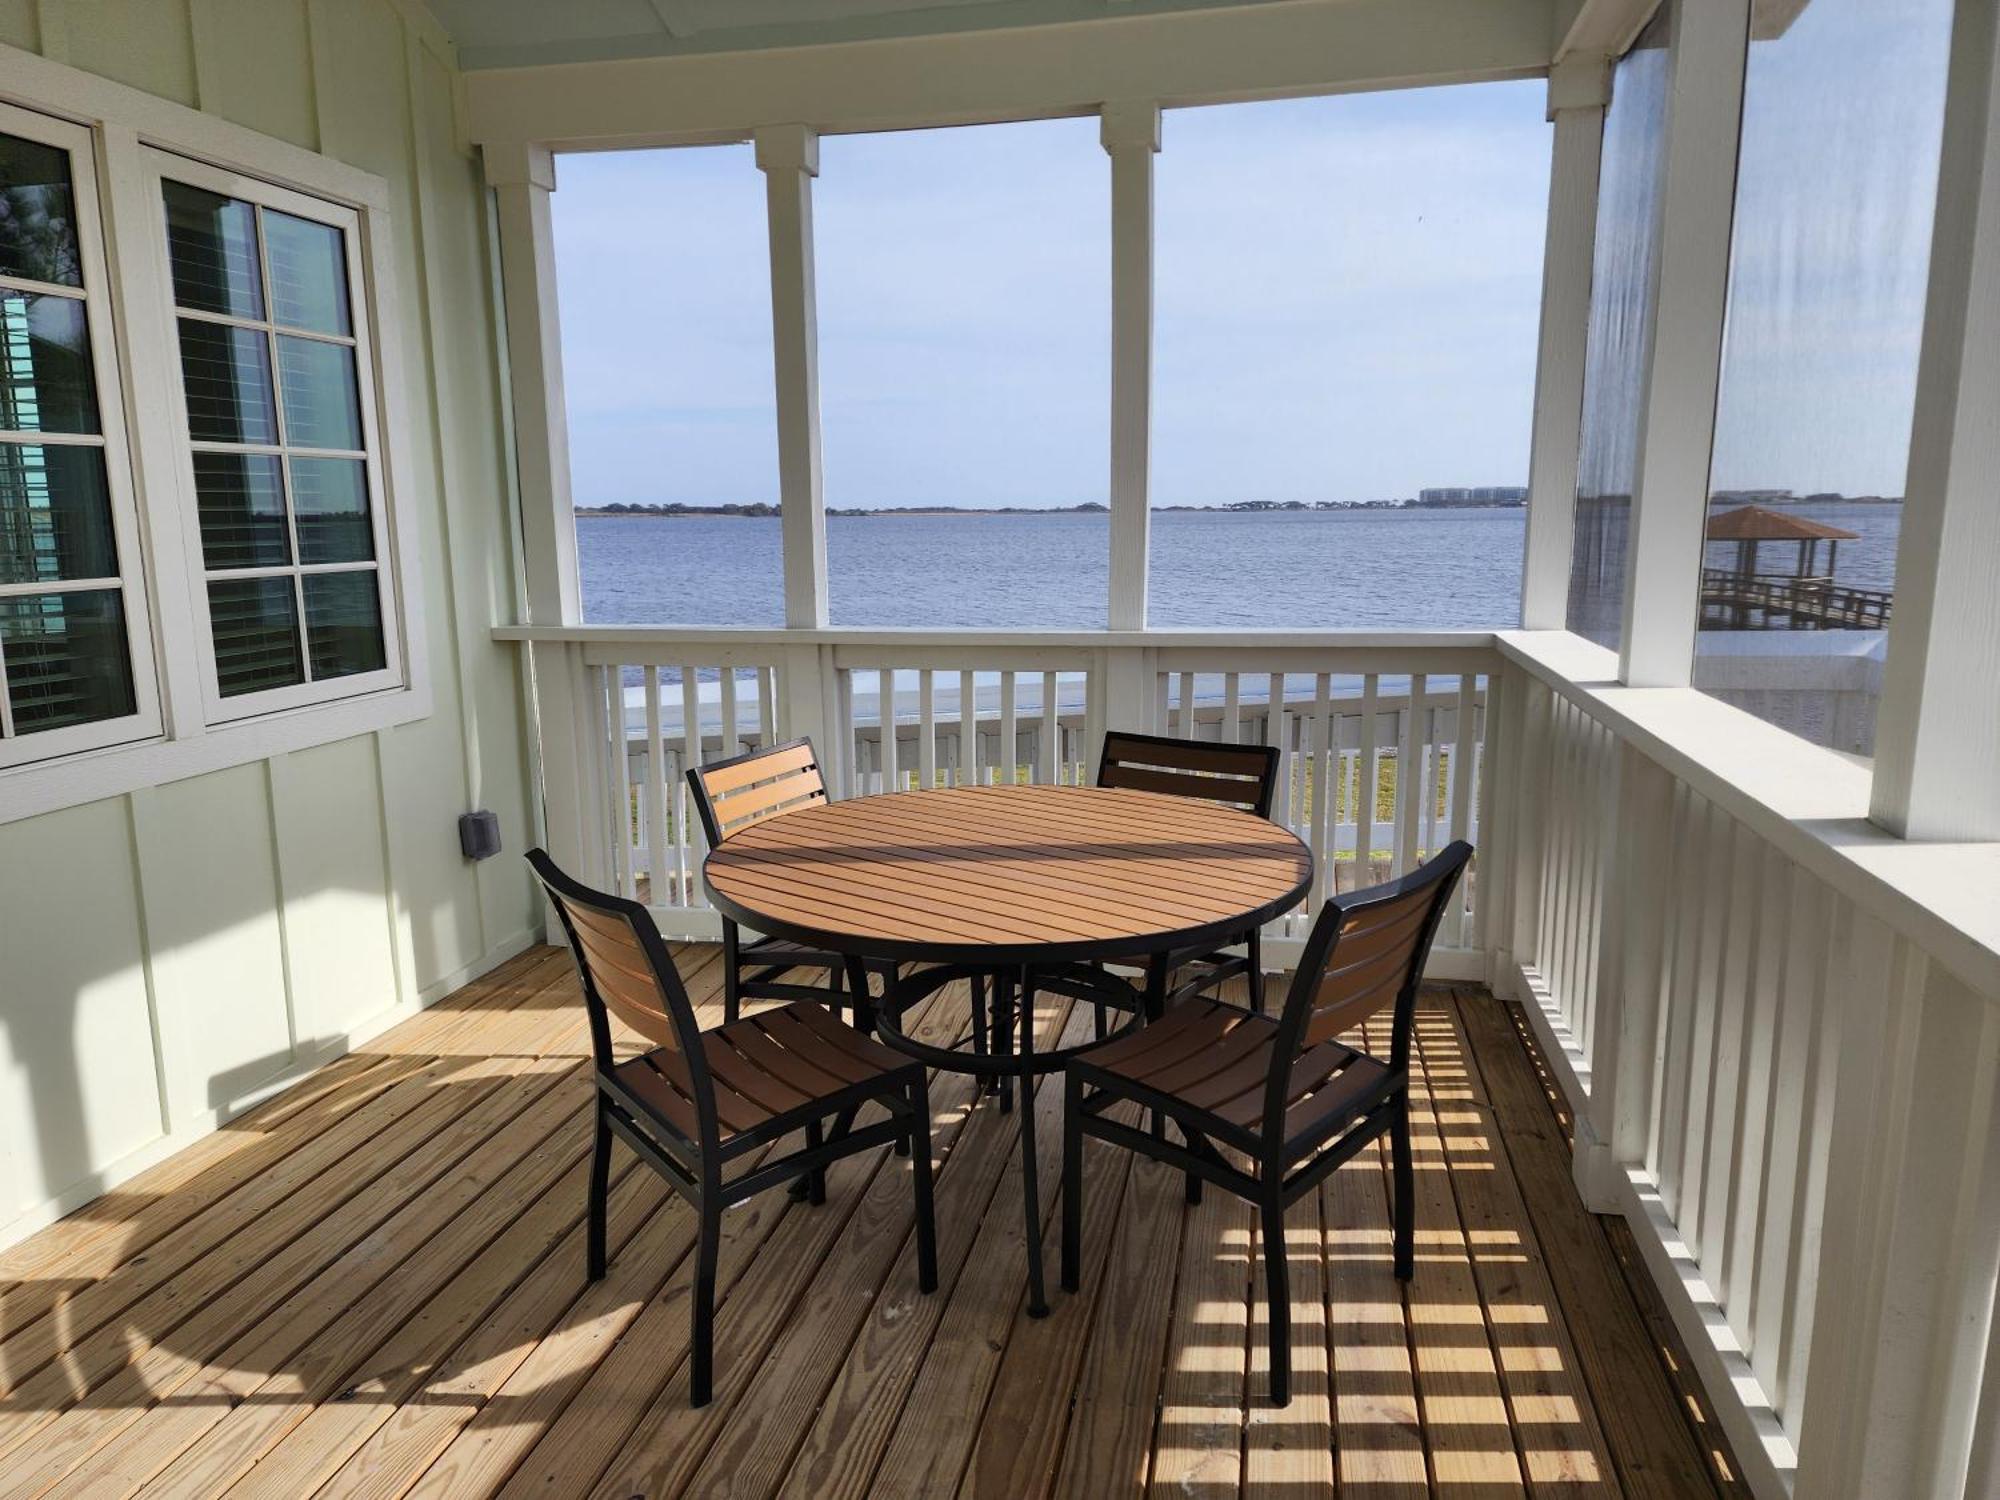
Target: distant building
x=1484, y=494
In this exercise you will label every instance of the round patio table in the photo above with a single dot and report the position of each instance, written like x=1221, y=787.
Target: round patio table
x=1010, y=885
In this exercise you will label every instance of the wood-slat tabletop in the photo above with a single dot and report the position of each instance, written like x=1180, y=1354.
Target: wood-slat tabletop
x=1009, y=874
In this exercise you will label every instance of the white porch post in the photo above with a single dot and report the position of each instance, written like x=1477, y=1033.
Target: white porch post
x=1579, y=89
x=522, y=177
x=1131, y=134
x=789, y=158
x=1691, y=288
x=1938, y=739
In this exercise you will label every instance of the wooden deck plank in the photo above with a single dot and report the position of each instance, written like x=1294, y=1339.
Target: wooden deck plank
x=1644, y=1425
x=1378, y=1429
x=143, y=1367
x=1561, y=1444
x=1197, y=1441
x=375, y=1287
x=1471, y=1438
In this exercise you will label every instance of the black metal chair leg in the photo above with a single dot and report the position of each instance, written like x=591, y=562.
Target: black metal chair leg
x=1031, y=1193
x=708, y=1245
x=1072, y=1234
x=1405, y=1205
x=1277, y=1280
x=600, y=1183
x=816, y=1178
x=920, y=1184
x=1003, y=1034
x=732, y=971
x=1254, y=948
x=1155, y=1004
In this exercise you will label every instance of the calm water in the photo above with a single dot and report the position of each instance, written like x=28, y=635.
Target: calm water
x=1308, y=570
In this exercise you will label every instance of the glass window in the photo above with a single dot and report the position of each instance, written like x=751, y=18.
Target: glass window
x=1829, y=261
x=965, y=371
x=1621, y=332
x=663, y=272
x=65, y=658
x=284, y=480
x=1348, y=295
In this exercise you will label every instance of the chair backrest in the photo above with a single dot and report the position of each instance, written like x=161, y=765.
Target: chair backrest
x=1244, y=776
x=627, y=972
x=1366, y=951
x=731, y=795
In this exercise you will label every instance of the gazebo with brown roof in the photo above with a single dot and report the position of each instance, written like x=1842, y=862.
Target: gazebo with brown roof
x=1749, y=525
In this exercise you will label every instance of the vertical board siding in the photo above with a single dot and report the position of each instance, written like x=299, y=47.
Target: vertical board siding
x=250, y=923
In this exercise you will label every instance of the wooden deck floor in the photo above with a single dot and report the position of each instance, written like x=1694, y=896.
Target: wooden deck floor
x=373, y=1285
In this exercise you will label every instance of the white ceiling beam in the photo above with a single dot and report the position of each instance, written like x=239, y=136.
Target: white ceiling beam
x=1604, y=28
x=1183, y=57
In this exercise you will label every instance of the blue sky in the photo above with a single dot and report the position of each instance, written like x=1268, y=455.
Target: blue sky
x=1347, y=293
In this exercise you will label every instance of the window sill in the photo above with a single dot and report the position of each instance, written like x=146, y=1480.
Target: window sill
x=31, y=790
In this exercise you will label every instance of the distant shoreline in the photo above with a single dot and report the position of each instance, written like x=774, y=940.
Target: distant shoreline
x=770, y=513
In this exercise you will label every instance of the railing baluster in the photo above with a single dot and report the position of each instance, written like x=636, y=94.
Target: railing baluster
x=1231, y=688
x=845, y=731
x=610, y=697
x=656, y=793
x=965, y=766
x=1051, y=729
x=767, y=706
x=1008, y=762
x=1187, y=728
x=1367, y=784
x=691, y=755
x=1161, y=685
x=926, y=729
x=730, y=744
x=892, y=772
x=1411, y=791
x=1464, y=779
x=1325, y=756
x=1274, y=735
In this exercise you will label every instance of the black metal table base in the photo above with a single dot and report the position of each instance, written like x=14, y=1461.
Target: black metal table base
x=1003, y=1054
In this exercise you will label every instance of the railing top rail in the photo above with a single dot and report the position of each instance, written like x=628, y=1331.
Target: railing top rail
x=1810, y=802
x=894, y=636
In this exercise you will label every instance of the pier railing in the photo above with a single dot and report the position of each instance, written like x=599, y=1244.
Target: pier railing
x=1777, y=1027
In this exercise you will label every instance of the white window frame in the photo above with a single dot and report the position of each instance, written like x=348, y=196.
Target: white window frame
x=116, y=135
x=144, y=721
x=161, y=168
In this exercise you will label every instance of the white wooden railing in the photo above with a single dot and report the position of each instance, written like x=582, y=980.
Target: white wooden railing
x=1778, y=1028
x=900, y=710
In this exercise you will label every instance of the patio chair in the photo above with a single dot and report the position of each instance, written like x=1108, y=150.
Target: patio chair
x=1243, y=776
x=699, y=1102
x=1283, y=1095
x=731, y=795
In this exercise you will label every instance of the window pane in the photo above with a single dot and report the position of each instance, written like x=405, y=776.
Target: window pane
x=965, y=318
x=663, y=267
x=343, y=624
x=55, y=514
x=212, y=246
x=1829, y=261
x=322, y=406
x=227, y=372
x=66, y=659
x=37, y=214
x=1349, y=291
x=256, y=627
x=1621, y=309
x=242, y=501
x=46, y=384
x=330, y=500
x=308, y=274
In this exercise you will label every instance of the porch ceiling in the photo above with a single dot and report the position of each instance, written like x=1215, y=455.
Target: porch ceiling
x=515, y=33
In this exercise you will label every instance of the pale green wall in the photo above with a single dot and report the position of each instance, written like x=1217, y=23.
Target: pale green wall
x=165, y=954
